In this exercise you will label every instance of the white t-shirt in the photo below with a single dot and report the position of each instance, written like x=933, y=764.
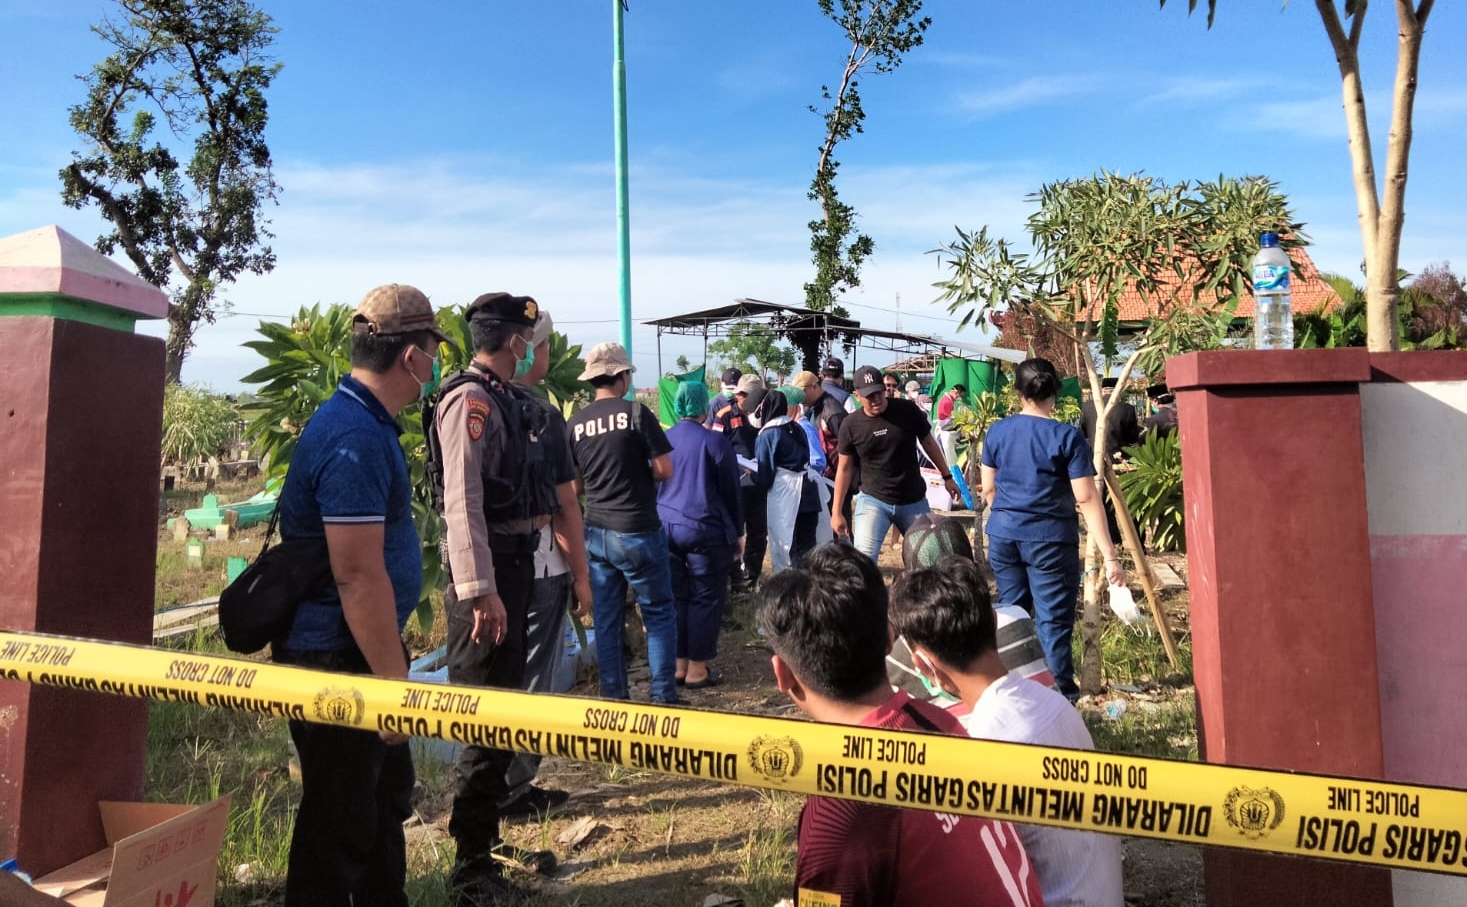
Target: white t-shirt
x=1075, y=868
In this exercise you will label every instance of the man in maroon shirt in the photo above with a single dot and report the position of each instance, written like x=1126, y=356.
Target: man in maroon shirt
x=827, y=625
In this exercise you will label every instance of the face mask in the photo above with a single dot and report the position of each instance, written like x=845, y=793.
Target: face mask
x=526, y=362
x=427, y=388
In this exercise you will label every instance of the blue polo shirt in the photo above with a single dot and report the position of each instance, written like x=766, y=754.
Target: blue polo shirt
x=1035, y=459
x=348, y=468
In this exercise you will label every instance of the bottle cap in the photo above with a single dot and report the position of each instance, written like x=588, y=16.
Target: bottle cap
x=1268, y=240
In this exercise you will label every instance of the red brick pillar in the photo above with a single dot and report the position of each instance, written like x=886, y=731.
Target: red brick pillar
x=80, y=429
x=1283, y=620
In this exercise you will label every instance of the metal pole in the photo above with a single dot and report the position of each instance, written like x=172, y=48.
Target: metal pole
x=623, y=231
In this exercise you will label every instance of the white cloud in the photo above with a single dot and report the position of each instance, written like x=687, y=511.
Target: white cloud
x=1030, y=92
x=1200, y=90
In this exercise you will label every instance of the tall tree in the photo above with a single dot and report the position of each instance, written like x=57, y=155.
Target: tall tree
x=880, y=32
x=1382, y=213
x=1186, y=250
x=200, y=68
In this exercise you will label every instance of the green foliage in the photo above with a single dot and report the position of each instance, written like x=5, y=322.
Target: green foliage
x=304, y=362
x=1343, y=326
x=1153, y=491
x=880, y=32
x=197, y=423
x=753, y=347
x=1429, y=313
x=1186, y=249
x=200, y=69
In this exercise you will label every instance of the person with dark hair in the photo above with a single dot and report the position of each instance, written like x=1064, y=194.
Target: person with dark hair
x=1121, y=431
x=560, y=571
x=878, y=449
x=348, y=483
x=733, y=422
x=1035, y=471
x=947, y=428
x=701, y=507
x=622, y=453
x=783, y=454
x=497, y=467
x=943, y=614
x=729, y=387
x=827, y=625
x=833, y=382
x=1164, y=420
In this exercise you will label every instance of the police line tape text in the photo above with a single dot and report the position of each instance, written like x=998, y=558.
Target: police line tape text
x=37, y=653
x=1375, y=802
x=1018, y=802
x=1406, y=843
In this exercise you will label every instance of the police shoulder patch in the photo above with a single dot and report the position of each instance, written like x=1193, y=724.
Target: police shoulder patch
x=478, y=413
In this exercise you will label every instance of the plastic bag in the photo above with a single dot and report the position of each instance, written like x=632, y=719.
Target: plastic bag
x=1124, y=605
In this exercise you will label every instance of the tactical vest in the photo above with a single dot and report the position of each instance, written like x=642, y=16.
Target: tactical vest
x=522, y=487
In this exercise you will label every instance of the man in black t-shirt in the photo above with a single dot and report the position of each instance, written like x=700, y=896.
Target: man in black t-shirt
x=878, y=447
x=621, y=454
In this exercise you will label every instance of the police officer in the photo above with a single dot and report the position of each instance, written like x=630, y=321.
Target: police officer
x=489, y=465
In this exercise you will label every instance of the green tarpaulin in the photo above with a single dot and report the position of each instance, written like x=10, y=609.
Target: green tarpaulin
x=977, y=376
x=667, y=393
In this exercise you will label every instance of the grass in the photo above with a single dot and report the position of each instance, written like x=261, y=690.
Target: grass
x=664, y=840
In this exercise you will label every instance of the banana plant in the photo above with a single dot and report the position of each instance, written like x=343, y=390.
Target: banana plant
x=306, y=359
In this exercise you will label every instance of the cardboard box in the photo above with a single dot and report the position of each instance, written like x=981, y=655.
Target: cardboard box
x=159, y=855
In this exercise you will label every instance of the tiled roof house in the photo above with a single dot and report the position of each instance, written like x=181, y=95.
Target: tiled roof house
x=1310, y=293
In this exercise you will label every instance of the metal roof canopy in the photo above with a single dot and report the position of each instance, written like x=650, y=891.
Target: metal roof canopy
x=717, y=322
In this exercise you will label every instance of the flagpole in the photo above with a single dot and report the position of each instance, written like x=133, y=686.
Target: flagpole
x=623, y=227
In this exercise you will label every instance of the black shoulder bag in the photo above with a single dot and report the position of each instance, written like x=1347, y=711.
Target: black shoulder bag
x=260, y=604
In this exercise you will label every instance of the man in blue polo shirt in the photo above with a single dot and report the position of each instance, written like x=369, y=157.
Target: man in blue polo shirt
x=348, y=482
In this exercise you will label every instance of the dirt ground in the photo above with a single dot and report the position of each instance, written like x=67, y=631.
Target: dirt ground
x=655, y=839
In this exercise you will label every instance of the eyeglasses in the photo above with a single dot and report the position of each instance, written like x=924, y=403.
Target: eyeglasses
x=891, y=387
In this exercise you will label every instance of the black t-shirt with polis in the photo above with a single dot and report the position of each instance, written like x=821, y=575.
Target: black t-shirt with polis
x=613, y=441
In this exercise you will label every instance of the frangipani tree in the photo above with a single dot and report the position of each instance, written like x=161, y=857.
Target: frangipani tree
x=1185, y=250
x=1381, y=201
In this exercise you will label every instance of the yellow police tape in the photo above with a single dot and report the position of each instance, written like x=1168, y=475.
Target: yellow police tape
x=1384, y=824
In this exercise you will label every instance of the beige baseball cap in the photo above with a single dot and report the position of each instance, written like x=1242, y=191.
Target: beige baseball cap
x=805, y=380
x=396, y=309
x=608, y=359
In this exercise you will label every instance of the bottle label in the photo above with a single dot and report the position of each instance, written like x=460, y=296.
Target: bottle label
x=1271, y=278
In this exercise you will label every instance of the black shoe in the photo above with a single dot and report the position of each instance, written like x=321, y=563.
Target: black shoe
x=540, y=862
x=474, y=886
x=533, y=802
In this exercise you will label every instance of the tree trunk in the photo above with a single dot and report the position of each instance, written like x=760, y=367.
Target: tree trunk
x=1381, y=219
x=176, y=347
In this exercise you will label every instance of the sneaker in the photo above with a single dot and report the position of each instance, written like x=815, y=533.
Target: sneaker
x=533, y=802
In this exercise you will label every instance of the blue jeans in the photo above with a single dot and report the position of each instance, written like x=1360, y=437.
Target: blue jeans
x=1043, y=578
x=640, y=559
x=871, y=519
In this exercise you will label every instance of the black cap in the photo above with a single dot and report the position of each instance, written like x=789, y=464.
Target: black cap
x=869, y=381
x=1109, y=382
x=731, y=377
x=960, y=388
x=752, y=399
x=504, y=307
x=833, y=367
x=1158, y=390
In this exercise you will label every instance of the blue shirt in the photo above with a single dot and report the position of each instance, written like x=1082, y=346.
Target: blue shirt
x=703, y=493
x=348, y=468
x=1036, y=458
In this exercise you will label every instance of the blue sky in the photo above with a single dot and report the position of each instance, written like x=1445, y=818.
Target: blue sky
x=467, y=146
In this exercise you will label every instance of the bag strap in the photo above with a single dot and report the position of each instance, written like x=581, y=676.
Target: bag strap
x=274, y=521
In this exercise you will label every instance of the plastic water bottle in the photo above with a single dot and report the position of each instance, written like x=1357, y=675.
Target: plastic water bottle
x=1273, y=316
